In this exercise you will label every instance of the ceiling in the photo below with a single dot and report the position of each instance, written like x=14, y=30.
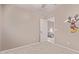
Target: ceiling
x=40, y=9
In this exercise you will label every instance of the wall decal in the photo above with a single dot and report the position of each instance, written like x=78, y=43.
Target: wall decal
x=73, y=20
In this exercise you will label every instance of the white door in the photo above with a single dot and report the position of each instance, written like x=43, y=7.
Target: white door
x=43, y=29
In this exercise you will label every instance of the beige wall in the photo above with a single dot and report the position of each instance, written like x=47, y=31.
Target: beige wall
x=0, y=24
x=63, y=36
x=21, y=27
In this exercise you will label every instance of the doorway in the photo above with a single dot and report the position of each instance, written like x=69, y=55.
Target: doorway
x=47, y=29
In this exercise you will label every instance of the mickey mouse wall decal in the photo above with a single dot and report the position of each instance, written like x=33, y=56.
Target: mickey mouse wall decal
x=73, y=20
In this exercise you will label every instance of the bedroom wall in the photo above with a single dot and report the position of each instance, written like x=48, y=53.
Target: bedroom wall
x=0, y=25
x=63, y=36
x=21, y=27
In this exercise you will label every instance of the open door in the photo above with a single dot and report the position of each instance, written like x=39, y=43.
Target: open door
x=47, y=29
